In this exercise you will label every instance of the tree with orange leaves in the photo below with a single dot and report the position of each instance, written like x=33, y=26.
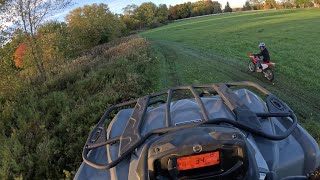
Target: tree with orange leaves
x=19, y=55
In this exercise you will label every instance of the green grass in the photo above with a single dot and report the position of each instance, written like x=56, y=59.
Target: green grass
x=215, y=49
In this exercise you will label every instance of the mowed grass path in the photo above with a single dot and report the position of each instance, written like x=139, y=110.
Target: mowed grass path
x=215, y=49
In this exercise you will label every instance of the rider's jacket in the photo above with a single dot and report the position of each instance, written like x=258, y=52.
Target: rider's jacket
x=265, y=54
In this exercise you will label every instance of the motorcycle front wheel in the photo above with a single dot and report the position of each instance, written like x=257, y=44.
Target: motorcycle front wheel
x=251, y=66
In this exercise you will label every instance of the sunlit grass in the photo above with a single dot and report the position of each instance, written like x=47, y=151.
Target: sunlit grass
x=216, y=48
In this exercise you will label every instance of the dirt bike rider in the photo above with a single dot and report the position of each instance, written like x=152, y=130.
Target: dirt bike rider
x=266, y=57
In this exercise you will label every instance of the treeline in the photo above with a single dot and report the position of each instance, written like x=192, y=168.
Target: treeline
x=199, y=8
x=282, y=4
x=147, y=15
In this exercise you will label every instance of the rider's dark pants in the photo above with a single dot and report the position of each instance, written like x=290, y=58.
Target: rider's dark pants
x=258, y=63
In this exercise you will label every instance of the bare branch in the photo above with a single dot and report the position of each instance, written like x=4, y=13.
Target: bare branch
x=29, y=13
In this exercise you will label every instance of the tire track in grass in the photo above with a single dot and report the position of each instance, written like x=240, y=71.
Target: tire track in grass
x=169, y=56
x=302, y=103
x=226, y=68
x=177, y=54
x=292, y=91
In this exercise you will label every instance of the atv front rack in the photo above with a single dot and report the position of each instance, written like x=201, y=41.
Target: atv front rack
x=132, y=138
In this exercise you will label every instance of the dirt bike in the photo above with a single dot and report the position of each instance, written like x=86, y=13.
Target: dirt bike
x=220, y=131
x=267, y=68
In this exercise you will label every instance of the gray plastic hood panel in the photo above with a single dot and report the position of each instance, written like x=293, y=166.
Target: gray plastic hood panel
x=286, y=157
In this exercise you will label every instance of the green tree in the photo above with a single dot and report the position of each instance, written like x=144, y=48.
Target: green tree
x=183, y=11
x=129, y=9
x=130, y=21
x=303, y=3
x=162, y=13
x=201, y=8
x=247, y=6
x=128, y=17
x=216, y=7
x=270, y=4
x=146, y=13
x=195, y=11
x=54, y=40
x=173, y=13
x=198, y=8
x=92, y=25
x=208, y=7
x=256, y=4
x=2, y=2
x=227, y=8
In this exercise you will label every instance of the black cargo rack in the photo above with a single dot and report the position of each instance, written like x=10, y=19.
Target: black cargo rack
x=132, y=138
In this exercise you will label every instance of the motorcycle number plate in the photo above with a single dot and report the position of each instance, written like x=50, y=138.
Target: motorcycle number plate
x=198, y=161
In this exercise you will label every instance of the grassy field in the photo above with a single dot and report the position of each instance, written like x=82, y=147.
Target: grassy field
x=215, y=49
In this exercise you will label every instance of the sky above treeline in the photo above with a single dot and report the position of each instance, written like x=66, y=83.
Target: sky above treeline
x=116, y=6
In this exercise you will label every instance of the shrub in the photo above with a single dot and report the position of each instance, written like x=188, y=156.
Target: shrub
x=44, y=126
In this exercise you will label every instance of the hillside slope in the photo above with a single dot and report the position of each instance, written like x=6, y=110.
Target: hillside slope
x=215, y=49
x=44, y=126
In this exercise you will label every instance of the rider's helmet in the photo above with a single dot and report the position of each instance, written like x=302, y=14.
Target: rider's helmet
x=262, y=45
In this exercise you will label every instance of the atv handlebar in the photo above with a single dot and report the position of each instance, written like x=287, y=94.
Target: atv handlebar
x=277, y=108
x=284, y=135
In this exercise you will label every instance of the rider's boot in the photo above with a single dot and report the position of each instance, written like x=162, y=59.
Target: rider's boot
x=259, y=70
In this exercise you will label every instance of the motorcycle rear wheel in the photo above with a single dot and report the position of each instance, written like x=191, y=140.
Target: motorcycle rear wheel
x=269, y=74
